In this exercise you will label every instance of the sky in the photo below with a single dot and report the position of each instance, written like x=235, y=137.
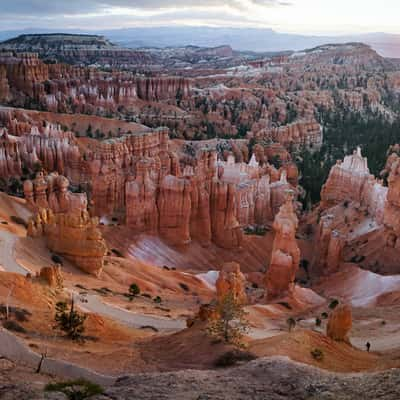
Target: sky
x=292, y=16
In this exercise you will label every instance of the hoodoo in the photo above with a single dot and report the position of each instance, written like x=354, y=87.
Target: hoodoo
x=285, y=256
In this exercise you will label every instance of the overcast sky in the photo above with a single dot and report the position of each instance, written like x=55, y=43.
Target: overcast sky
x=301, y=16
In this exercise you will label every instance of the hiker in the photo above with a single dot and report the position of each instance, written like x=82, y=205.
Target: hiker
x=368, y=346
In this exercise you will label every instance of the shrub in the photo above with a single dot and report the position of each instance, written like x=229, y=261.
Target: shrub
x=324, y=315
x=232, y=357
x=134, y=290
x=13, y=326
x=184, y=286
x=317, y=354
x=79, y=389
x=333, y=304
x=157, y=299
x=318, y=321
x=56, y=259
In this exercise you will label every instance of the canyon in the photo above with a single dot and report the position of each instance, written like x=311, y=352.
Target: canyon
x=164, y=206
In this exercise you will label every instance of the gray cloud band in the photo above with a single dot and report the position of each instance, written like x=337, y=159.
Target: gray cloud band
x=53, y=7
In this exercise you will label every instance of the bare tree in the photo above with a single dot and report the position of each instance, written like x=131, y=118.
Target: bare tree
x=10, y=292
x=42, y=358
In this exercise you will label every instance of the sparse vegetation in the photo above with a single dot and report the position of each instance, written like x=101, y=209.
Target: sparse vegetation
x=157, y=299
x=79, y=389
x=255, y=230
x=184, y=286
x=13, y=326
x=232, y=357
x=317, y=354
x=230, y=323
x=56, y=259
x=70, y=321
x=318, y=321
x=333, y=304
x=134, y=291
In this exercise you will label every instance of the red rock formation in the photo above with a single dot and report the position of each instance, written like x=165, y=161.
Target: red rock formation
x=52, y=276
x=346, y=181
x=75, y=236
x=285, y=256
x=52, y=192
x=231, y=280
x=201, y=180
x=225, y=228
x=328, y=252
x=296, y=135
x=138, y=175
x=65, y=88
x=140, y=199
x=392, y=206
x=174, y=207
x=340, y=323
x=349, y=181
x=4, y=88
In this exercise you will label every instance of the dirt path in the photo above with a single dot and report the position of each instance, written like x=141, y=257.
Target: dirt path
x=92, y=303
x=15, y=349
x=7, y=259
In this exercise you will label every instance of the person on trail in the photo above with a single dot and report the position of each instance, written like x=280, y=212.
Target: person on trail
x=368, y=346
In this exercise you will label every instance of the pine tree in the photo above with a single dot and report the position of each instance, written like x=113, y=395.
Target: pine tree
x=70, y=321
x=230, y=323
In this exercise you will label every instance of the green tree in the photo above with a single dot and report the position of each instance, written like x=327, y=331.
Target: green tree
x=333, y=304
x=70, y=321
x=230, y=323
x=134, y=290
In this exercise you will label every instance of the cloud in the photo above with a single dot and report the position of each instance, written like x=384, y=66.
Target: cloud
x=60, y=7
x=60, y=14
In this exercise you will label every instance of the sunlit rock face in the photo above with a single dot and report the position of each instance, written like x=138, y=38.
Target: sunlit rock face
x=346, y=181
x=52, y=191
x=74, y=236
x=392, y=209
x=140, y=199
x=139, y=177
x=328, y=252
x=225, y=228
x=52, y=276
x=339, y=323
x=285, y=256
x=174, y=205
x=358, y=218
